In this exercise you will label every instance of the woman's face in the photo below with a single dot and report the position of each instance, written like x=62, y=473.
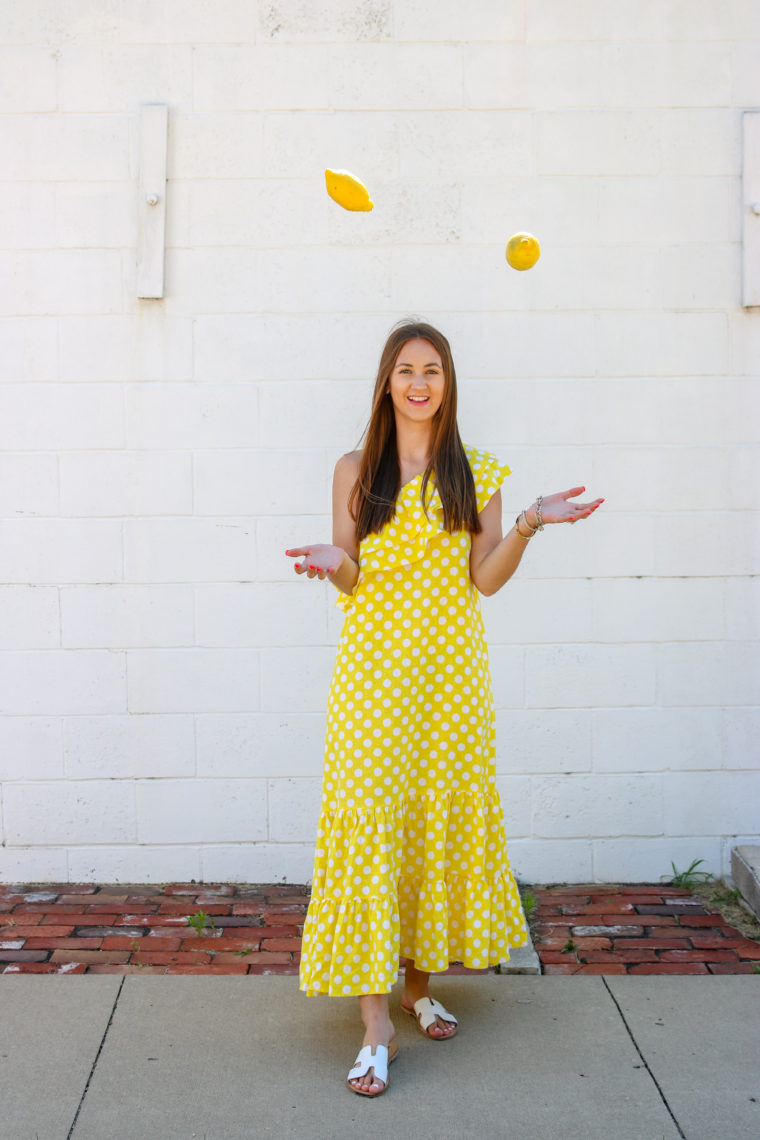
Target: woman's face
x=417, y=383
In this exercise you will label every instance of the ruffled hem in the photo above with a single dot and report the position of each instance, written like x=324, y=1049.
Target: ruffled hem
x=350, y=946
x=472, y=921
x=425, y=877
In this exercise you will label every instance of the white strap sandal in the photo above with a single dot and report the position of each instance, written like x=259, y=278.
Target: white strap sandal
x=425, y=1012
x=378, y=1060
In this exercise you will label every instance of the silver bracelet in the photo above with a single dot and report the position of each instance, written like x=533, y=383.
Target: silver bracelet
x=539, y=520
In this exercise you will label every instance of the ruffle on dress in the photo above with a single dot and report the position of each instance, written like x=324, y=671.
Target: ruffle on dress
x=405, y=539
x=427, y=877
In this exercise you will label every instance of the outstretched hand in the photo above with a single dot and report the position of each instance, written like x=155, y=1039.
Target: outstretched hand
x=319, y=561
x=557, y=508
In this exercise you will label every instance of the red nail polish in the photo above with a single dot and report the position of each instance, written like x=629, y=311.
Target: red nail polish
x=312, y=567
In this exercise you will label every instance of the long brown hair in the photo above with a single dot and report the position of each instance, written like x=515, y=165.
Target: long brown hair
x=379, y=479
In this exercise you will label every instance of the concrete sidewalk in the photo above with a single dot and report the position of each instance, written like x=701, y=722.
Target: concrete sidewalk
x=103, y=1057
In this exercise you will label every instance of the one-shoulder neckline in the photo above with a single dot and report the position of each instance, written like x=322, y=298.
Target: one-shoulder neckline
x=409, y=482
x=469, y=448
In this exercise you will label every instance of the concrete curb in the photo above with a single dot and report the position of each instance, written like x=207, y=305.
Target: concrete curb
x=522, y=960
x=745, y=871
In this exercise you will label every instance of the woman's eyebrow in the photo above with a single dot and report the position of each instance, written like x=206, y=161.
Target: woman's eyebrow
x=405, y=364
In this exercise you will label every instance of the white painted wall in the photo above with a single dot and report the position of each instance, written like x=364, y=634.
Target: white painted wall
x=163, y=675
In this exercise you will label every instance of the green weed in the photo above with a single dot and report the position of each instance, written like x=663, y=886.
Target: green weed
x=529, y=904
x=135, y=947
x=200, y=921
x=690, y=876
x=728, y=896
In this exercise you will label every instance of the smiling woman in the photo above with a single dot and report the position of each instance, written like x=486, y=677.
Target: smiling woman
x=411, y=855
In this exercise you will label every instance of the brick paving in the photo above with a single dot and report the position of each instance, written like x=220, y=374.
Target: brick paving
x=128, y=929
x=89, y=929
x=636, y=929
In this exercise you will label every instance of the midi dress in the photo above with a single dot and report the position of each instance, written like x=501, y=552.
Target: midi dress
x=411, y=856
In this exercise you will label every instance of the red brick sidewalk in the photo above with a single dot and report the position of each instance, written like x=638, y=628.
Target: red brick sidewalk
x=637, y=929
x=89, y=929
x=127, y=929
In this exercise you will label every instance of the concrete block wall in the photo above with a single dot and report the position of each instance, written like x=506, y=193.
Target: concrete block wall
x=163, y=675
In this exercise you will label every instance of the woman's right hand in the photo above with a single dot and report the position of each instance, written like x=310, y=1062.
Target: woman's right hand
x=319, y=561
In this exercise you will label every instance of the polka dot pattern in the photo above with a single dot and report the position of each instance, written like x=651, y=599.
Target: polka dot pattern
x=411, y=856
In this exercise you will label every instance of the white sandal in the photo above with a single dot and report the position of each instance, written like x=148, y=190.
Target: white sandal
x=379, y=1060
x=425, y=1012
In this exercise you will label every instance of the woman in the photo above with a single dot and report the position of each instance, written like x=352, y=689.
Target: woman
x=411, y=855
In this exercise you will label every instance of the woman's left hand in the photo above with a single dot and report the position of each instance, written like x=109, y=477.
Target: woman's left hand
x=557, y=508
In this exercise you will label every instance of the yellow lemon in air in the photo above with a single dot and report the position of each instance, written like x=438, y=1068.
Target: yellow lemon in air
x=347, y=191
x=523, y=251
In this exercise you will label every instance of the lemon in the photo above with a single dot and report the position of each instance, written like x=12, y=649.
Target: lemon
x=523, y=251
x=347, y=191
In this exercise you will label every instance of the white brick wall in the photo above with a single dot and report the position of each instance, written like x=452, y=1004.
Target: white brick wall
x=163, y=676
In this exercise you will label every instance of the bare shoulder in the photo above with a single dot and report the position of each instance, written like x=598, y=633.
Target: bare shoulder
x=352, y=458
x=348, y=465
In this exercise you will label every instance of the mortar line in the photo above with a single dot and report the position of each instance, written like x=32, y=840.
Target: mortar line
x=657, y=1085
x=70, y=1132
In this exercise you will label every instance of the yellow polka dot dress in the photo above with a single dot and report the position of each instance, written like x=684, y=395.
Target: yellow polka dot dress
x=411, y=855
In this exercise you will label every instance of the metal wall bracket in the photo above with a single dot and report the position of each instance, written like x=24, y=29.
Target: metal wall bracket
x=751, y=210
x=151, y=199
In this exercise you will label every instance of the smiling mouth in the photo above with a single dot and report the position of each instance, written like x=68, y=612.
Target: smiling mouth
x=418, y=399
